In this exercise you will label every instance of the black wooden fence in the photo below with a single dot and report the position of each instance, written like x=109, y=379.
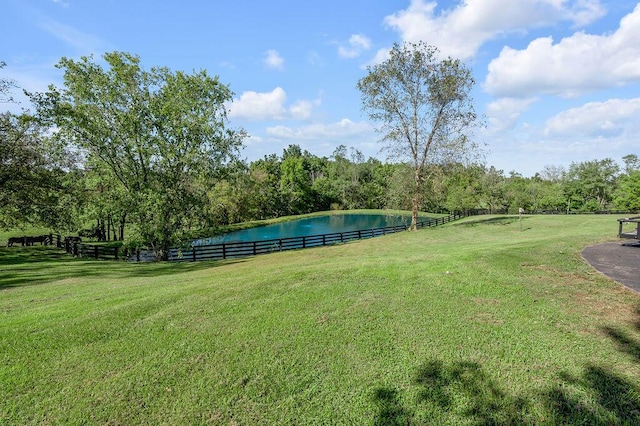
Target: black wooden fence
x=242, y=249
x=222, y=251
x=252, y=248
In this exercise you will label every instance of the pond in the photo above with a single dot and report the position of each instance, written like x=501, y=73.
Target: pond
x=317, y=225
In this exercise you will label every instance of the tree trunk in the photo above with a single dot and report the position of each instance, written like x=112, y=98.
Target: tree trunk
x=415, y=202
x=123, y=219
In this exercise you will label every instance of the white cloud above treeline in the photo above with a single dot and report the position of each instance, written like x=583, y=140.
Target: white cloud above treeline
x=255, y=106
x=358, y=43
x=461, y=30
x=597, y=119
x=574, y=65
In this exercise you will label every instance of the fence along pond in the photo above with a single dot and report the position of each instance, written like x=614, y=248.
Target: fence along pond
x=231, y=250
x=252, y=248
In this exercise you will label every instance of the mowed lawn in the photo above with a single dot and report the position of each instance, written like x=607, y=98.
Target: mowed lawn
x=474, y=322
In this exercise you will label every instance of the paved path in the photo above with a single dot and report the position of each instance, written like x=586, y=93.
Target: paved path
x=618, y=261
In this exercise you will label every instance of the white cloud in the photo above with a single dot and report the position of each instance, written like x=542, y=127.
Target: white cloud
x=273, y=60
x=381, y=56
x=317, y=131
x=575, y=65
x=358, y=43
x=259, y=106
x=597, y=119
x=301, y=110
x=84, y=42
x=461, y=30
x=504, y=113
x=270, y=106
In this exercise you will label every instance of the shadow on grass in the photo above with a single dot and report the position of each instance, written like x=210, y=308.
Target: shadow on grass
x=463, y=393
x=460, y=392
x=601, y=396
x=25, y=266
x=598, y=397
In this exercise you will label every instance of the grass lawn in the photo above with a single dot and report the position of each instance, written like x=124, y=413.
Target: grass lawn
x=474, y=322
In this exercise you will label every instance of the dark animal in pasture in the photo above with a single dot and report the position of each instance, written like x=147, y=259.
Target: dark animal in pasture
x=42, y=239
x=72, y=240
x=16, y=240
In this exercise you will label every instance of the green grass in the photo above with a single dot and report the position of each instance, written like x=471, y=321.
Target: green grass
x=474, y=322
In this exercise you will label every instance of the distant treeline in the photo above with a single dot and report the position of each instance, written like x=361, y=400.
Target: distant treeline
x=298, y=182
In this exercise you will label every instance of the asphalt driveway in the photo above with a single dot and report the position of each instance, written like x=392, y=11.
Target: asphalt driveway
x=618, y=261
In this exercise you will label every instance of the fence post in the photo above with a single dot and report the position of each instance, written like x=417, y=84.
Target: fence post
x=193, y=253
x=95, y=248
x=116, y=252
x=224, y=251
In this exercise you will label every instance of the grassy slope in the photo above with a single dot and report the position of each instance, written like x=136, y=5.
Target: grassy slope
x=471, y=322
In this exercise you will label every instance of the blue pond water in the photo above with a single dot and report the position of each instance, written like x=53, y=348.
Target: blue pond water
x=310, y=226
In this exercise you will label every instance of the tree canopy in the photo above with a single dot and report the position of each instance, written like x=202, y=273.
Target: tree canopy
x=157, y=137
x=424, y=106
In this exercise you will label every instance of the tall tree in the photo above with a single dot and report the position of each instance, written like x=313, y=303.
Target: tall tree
x=162, y=136
x=425, y=108
x=31, y=183
x=627, y=196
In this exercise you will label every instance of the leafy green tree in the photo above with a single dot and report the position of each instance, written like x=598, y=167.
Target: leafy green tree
x=31, y=181
x=627, y=196
x=464, y=186
x=295, y=185
x=161, y=135
x=265, y=173
x=493, y=189
x=425, y=107
x=631, y=163
x=589, y=185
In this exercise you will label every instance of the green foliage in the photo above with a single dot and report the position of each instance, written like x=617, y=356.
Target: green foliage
x=627, y=196
x=33, y=187
x=589, y=185
x=157, y=139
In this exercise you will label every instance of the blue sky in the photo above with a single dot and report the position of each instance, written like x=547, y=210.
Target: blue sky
x=558, y=81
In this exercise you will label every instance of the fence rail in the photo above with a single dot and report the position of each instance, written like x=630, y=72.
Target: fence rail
x=220, y=251
x=232, y=250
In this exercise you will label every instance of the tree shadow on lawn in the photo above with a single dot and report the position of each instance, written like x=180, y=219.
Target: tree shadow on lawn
x=459, y=392
x=26, y=266
x=601, y=396
x=462, y=392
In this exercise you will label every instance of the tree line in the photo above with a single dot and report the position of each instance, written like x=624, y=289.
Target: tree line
x=148, y=156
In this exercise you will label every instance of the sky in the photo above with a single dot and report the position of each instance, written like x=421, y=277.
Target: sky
x=557, y=81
